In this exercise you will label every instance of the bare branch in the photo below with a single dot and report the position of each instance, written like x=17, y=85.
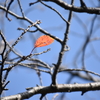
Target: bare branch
x=56, y=12
x=2, y=64
x=21, y=8
x=63, y=49
x=31, y=22
x=66, y=6
x=60, y=70
x=55, y=88
x=8, y=9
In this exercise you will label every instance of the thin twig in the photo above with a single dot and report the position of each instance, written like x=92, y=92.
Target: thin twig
x=55, y=11
x=31, y=22
x=28, y=65
x=34, y=59
x=8, y=9
x=87, y=41
x=25, y=58
x=55, y=96
x=19, y=38
x=21, y=8
x=83, y=4
x=10, y=46
x=37, y=22
x=40, y=52
x=5, y=3
x=32, y=31
x=34, y=2
x=87, y=71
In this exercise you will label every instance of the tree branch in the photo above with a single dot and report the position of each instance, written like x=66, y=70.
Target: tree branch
x=53, y=89
x=63, y=4
x=31, y=22
x=63, y=48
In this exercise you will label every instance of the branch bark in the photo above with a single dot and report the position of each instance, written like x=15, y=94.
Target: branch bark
x=55, y=88
x=63, y=4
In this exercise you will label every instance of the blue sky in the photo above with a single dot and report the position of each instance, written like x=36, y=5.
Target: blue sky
x=20, y=77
